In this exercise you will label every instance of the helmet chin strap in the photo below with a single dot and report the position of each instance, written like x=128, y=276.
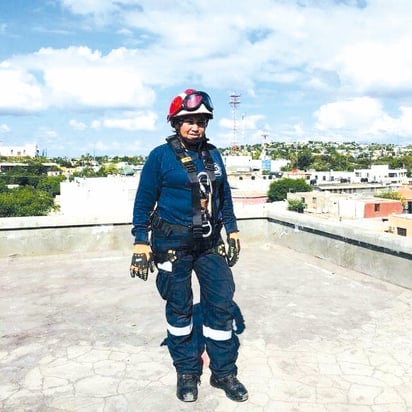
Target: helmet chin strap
x=192, y=144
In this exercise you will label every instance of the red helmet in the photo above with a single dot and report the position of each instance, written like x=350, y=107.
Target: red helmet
x=191, y=101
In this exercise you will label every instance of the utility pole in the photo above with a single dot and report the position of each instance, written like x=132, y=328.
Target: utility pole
x=264, y=146
x=234, y=103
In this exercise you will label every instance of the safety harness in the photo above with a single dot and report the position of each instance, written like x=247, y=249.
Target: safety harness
x=201, y=227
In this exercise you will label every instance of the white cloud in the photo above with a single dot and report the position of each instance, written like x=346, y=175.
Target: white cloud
x=50, y=134
x=114, y=146
x=19, y=91
x=76, y=77
x=244, y=122
x=298, y=129
x=46, y=135
x=377, y=67
x=128, y=121
x=286, y=56
x=89, y=6
x=275, y=41
x=387, y=125
x=87, y=78
x=101, y=11
x=97, y=7
x=76, y=125
x=4, y=128
x=405, y=120
x=365, y=117
x=137, y=122
x=348, y=114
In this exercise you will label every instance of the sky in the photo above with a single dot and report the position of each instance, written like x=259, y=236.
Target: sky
x=97, y=76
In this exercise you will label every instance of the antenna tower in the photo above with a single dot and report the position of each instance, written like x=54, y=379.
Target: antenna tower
x=264, y=146
x=234, y=103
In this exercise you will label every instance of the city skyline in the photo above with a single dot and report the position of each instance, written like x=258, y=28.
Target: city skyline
x=98, y=76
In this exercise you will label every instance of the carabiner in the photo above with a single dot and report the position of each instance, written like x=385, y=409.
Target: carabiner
x=208, y=225
x=204, y=184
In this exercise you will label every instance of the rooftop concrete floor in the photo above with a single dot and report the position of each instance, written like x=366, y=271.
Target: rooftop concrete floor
x=78, y=334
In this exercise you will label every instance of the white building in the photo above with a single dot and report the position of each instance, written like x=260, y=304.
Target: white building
x=238, y=164
x=99, y=196
x=331, y=176
x=245, y=164
x=269, y=164
x=376, y=174
x=380, y=174
x=347, y=205
x=28, y=150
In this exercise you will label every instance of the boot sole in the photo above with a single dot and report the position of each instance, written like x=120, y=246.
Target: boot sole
x=188, y=398
x=244, y=398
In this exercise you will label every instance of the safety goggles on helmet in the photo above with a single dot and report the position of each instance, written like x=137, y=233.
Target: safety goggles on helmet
x=190, y=103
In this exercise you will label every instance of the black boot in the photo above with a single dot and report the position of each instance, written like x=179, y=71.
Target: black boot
x=187, y=387
x=233, y=388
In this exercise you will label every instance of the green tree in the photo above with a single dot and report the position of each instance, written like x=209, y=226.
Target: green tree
x=3, y=186
x=29, y=174
x=51, y=184
x=296, y=205
x=88, y=171
x=392, y=195
x=304, y=159
x=62, y=161
x=25, y=201
x=110, y=169
x=279, y=189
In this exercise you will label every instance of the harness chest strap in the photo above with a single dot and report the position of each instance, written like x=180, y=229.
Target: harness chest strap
x=190, y=167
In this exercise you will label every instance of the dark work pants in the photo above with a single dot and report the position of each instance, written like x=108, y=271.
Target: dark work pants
x=212, y=326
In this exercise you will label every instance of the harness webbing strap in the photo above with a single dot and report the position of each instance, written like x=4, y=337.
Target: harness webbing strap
x=189, y=165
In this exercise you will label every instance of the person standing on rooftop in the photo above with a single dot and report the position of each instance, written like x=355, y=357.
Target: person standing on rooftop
x=182, y=203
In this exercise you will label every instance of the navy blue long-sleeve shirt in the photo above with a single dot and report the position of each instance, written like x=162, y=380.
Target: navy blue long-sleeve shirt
x=165, y=183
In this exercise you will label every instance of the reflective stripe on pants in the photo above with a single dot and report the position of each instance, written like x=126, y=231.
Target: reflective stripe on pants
x=216, y=298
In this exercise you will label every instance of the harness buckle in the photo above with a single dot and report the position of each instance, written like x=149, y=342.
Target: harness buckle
x=155, y=221
x=197, y=232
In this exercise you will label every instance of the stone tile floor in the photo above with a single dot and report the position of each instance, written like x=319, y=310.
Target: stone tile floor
x=78, y=334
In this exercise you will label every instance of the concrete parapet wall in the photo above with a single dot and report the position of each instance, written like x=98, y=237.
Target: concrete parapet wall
x=381, y=255
x=48, y=235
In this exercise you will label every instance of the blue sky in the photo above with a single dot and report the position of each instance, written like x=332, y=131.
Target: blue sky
x=97, y=76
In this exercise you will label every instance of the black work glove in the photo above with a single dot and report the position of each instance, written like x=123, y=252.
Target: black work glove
x=140, y=266
x=233, y=250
